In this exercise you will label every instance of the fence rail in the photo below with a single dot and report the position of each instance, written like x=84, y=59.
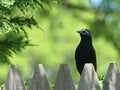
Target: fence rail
x=64, y=81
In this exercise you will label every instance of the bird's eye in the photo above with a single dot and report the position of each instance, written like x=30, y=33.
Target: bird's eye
x=84, y=31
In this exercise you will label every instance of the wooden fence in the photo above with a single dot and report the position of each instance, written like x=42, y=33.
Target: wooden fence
x=64, y=81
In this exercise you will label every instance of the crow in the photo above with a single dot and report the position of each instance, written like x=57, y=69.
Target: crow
x=85, y=52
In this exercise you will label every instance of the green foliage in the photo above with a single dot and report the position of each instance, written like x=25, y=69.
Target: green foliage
x=15, y=16
x=13, y=43
x=2, y=85
x=27, y=82
x=101, y=77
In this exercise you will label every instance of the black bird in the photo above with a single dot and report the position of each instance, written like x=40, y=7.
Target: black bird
x=85, y=52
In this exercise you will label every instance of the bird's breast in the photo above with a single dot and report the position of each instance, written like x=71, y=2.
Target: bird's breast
x=85, y=52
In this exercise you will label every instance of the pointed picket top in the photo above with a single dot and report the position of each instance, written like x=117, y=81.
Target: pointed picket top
x=89, y=80
x=112, y=79
x=64, y=80
x=14, y=80
x=39, y=80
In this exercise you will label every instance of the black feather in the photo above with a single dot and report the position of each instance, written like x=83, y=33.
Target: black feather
x=85, y=52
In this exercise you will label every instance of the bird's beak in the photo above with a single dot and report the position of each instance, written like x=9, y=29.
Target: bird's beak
x=79, y=31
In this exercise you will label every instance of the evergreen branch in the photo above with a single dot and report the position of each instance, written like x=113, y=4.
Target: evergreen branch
x=12, y=38
x=22, y=21
x=10, y=46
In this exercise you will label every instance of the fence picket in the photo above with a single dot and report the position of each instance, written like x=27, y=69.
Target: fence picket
x=39, y=80
x=112, y=79
x=64, y=80
x=89, y=80
x=14, y=80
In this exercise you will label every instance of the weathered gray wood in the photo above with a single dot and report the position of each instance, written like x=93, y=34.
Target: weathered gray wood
x=112, y=79
x=39, y=80
x=64, y=80
x=14, y=80
x=89, y=80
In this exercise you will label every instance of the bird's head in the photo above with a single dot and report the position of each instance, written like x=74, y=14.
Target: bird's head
x=85, y=34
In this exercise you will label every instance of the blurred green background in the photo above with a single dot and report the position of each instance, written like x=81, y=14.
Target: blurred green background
x=57, y=42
